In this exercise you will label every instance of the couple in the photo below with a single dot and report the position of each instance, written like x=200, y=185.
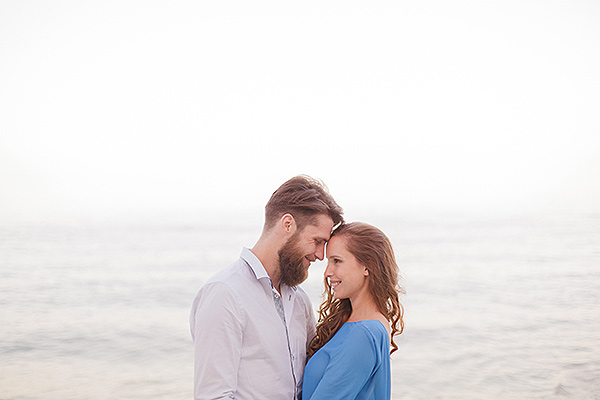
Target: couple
x=254, y=328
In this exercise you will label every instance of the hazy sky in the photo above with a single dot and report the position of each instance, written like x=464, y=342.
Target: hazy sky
x=175, y=105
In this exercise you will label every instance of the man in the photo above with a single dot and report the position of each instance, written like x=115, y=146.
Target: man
x=251, y=323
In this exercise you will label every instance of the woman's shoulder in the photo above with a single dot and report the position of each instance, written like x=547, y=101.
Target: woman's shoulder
x=372, y=328
x=364, y=339
x=374, y=321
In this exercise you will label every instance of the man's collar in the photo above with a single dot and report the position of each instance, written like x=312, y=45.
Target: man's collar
x=256, y=266
x=254, y=263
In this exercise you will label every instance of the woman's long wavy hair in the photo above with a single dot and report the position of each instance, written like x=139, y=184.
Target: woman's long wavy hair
x=372, y=249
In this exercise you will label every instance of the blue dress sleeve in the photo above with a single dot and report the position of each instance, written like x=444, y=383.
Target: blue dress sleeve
x=349, y=368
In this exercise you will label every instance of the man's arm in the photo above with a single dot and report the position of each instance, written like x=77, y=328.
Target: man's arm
x=217, y=322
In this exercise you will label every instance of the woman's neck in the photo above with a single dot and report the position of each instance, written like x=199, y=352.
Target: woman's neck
x=364, y=308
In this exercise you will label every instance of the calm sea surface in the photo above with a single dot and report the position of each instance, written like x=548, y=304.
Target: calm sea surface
x=496, y=308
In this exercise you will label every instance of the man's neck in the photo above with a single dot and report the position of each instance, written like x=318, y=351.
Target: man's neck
x=268, y=255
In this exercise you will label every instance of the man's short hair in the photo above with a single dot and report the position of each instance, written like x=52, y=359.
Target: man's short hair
x=304, y=198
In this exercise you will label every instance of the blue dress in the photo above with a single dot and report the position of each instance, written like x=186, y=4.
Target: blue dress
x=354, y=364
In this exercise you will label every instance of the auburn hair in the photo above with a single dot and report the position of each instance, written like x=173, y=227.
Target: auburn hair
x=304, y=198
x=373, y=250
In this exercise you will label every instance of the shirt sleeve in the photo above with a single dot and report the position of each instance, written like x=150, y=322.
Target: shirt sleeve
x=217, y=330
x=349, y=368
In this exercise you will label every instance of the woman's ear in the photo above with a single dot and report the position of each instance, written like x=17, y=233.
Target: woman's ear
x=366, y=273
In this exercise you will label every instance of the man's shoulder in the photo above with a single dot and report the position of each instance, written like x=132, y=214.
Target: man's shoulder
x=232, y=275
x=230, y=281
x=225, y=286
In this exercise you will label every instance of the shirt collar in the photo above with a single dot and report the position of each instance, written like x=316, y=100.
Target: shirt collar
x=254, y=263
x=259, y=270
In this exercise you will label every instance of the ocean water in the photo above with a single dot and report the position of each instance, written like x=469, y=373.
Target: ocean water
x=496, y=308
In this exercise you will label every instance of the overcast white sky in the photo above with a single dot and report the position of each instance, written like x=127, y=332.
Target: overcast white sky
x=179, y=105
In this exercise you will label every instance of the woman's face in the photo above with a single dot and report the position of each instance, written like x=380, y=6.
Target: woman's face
x=347, y=277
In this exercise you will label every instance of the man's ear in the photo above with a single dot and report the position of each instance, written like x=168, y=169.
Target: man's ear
x=287, y=224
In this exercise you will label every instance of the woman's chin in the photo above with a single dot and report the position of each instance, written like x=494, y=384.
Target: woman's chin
x=338, y=296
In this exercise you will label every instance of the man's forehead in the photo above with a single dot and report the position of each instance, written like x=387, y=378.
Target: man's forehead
x=322, y=228
x=323, y=222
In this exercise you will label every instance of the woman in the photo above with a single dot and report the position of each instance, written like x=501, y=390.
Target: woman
x=350, y=355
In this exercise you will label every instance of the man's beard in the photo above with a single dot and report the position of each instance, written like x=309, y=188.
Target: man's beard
x=291, y=263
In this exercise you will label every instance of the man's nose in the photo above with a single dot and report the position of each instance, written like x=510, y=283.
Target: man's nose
x=320, y=254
